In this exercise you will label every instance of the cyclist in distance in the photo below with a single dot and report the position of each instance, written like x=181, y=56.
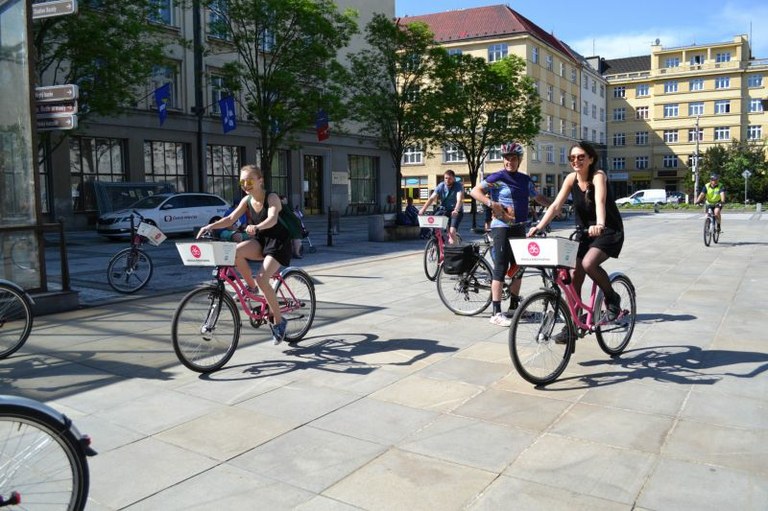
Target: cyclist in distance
x=714, y=193
x=268, y=240
x=506, y=193
x=451, y=195
x=599, y=218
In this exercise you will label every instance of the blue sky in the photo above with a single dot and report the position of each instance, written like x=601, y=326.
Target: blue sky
x=625, y=29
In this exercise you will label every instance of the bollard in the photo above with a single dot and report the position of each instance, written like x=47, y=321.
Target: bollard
x=333, y=225
x=759, y=207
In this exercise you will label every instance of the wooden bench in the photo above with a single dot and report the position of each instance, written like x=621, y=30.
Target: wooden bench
x=384, y=228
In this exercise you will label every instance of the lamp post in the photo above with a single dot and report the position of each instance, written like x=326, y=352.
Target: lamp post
x=745, y=175
x=696, y=162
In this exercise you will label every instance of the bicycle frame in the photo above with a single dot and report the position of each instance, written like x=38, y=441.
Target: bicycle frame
x=228, y=275
x=562, y=278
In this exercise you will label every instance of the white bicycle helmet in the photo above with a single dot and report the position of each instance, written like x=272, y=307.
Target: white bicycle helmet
x=512, y=148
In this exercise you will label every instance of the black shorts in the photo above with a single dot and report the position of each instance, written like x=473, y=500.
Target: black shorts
x=610, y=242
x=502, y=251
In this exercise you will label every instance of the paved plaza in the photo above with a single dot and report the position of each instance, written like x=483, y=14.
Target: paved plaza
x=393, y=403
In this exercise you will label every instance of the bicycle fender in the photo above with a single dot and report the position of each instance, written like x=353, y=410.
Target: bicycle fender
x=18, y=288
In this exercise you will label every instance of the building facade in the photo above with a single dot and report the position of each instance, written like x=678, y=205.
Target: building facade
x=345, y=171
x=665, y=106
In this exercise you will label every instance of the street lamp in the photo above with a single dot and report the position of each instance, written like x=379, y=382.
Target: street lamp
x=696, y=161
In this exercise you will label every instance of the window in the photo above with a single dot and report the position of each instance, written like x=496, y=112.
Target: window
x=641, y=112
x=574, y=102
x=413, y=155
x=563, y=155
x=696, y=84
x=574, y=130
x=562, y=69
x=594, y=111
x=93, y=159
x=755, y=81
x=278, y=176
x=550, y=62
x=550, y=152
x=692, y=134
x=585, y=108
x=723, y=57
x=452, y=154
x=217, y=92
x=535, y=151
x=642, y=90
x=218, y=28
x=641, y=162
x=550, y=125
x=562, y=126
x=594, y=87
x=162, y=75
x=671, y=110
x=696, y=108
x=602, y=115
x=670, y=136
x=550, y=92
x=585, y=135
x=755, y=105
x=722, y=106
x=754, y=132
x=670, y=161
x=562, y=97
x=722, y=82
x=618, y=164
x=619, y=114
x=222, y=166
x=723, y=133
x=454, y=52
x=586, y=81
x=363, y=179
x=670, y=86
x=619, y=92
x=641, y=138
x=497, y=52
x=535, y=54
x=161, y=12
x=672, y=62
x=619, y=139
x=696, y=60
x=594, y=135
x=573, y=74
x=494, y=153
x=166, y=162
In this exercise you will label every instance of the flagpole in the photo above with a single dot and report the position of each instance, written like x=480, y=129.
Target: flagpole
x=198, y=109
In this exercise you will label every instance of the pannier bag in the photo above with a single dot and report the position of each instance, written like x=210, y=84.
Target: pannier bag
x=459, y=258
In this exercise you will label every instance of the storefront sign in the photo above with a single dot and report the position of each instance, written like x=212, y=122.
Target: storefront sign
x=339, y=178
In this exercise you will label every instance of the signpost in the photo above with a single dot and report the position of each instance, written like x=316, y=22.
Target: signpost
x=57, y=107
x=746, y=175
x=55, y=8
x=56, y=122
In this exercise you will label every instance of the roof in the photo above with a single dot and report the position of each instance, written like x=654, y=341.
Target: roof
x=483, y=22
x=627, y=65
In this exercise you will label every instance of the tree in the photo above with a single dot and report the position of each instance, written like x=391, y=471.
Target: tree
x=389, y=84
x=287, y=67
x=483, y=105
x=108, y=49
x=730, y=161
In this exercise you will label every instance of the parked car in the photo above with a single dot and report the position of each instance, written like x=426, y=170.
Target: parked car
x=653, y=196
x=676, y=198
x=170, y=212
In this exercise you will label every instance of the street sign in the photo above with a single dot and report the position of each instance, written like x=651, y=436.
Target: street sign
x=746, y=174
x=57, y=93
x=55, y=8
x=68, y=107
x=56, y=122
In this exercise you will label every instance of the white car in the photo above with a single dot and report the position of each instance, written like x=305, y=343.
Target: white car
x=170, y=212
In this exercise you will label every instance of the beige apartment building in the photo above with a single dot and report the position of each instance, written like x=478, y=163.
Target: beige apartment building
x=663, y=106
x=346, y=172
x=493, y=33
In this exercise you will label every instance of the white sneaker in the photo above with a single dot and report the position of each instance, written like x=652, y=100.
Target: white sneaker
x=500, y=320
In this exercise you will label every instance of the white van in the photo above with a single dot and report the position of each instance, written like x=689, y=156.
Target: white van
x=653, y=196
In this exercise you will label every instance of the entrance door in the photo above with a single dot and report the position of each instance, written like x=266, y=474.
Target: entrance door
x=313, y=184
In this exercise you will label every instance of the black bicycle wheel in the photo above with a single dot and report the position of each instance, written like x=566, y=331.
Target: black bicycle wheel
x=541, y=338
x=468, y=293
x=205, y=329
x=41, y=461
x=296, y=296
x=129, y=270
x=431, y=259
x=715, y=231
x=707, y=231
x=15, y=320
x=613, y=337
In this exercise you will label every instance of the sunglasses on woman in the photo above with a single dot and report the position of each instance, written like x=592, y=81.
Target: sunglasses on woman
x=579, y=158
x=247, y=182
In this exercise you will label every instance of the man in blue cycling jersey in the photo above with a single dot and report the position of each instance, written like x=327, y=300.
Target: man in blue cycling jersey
x=451, y=195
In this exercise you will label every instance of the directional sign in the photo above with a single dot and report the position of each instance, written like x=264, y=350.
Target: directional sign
x=56, y=122
x=55, y=8
x=68, y=107
x=746, y=174
x=56, y=93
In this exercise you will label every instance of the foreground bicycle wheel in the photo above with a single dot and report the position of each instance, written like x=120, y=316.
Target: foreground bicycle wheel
x=205, y=329
x=15, y=319
x=431, y=259
x=41, y=462
x=468, y=293
x=536, y=355
x=715, y=232
x=614, y=337
x=707, y=231
x=129, y=270
x=296, y=292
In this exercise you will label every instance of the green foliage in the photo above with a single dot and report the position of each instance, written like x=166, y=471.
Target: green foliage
x=730, y=161
x=107, y=48
x=286, y=68
x=389, y=87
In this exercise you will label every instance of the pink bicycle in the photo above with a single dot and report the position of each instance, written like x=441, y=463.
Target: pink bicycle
x=206, y=324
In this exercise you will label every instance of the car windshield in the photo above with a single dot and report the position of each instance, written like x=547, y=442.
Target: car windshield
x=150, y=202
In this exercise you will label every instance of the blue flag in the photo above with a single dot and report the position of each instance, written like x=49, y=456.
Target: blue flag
x=162, y=97
x=227, y=108
x=321, y=125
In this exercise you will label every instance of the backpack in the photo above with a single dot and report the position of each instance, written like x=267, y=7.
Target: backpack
x=287, y=219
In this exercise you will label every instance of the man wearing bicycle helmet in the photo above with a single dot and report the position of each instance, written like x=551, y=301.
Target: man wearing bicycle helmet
x=451, y=195
x=714, y=193
x=508, y=192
